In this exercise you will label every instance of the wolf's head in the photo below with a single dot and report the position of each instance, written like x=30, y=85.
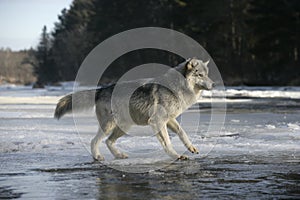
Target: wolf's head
x=196, y=73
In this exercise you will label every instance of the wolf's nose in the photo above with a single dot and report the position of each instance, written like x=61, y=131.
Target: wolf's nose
x=213, y=84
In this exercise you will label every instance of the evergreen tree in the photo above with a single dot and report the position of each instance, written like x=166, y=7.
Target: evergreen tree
x=70, y=39
x=252, y=42
x=44, y=67
x=276, y=39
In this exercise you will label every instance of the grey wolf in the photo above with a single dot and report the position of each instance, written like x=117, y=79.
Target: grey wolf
x=156, y=102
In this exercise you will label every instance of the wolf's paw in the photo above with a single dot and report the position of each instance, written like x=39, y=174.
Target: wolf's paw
x=183, y=157
x=121, y=156
x=193, y=149
x=98, y=158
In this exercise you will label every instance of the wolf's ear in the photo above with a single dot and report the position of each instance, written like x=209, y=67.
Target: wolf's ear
x=206, y=63
x=191, y=63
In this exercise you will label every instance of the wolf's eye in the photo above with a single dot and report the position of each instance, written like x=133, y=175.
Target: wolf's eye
x=201, y=75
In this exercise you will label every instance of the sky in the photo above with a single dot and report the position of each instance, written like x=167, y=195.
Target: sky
x=21, y=21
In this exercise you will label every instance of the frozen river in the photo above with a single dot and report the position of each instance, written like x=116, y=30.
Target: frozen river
x=256, y=154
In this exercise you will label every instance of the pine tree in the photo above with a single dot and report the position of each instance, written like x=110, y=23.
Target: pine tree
x=70, y=39
x=276, y=38
x=252, y=42
x=44, y=68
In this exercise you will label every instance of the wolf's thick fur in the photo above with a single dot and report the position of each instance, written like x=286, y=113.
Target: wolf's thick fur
x=155, y=102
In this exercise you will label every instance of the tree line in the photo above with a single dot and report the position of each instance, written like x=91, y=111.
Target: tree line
x=14, y=69
x=252, y=42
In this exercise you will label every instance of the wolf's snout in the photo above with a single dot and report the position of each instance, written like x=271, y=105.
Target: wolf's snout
x=209, y=84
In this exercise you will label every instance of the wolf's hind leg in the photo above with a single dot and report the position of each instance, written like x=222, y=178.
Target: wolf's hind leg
x=95, y=143
x=174, y=126
x=110, y=142
x=103, y=131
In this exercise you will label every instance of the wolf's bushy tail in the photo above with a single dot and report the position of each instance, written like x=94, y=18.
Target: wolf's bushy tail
x=80, y=99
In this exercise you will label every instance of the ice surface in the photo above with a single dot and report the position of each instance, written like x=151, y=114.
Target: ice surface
x=27, y=114
x=256, y=153
x=257, y=92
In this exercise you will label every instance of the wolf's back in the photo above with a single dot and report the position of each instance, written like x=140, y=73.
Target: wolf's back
x=80, y=99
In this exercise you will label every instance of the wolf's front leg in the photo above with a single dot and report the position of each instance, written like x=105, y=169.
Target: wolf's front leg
x=176, y=128
x=164, y=139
